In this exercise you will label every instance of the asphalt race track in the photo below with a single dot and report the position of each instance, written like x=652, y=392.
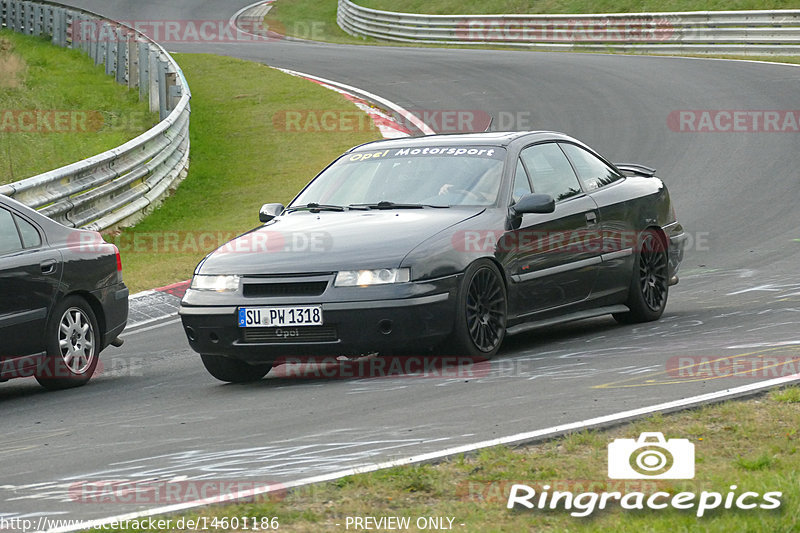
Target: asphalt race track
x=155, y=413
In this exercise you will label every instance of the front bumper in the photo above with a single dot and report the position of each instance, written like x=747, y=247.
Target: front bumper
x=357, y=320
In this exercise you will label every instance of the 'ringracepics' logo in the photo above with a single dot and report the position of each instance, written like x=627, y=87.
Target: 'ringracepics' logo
x=651, y=457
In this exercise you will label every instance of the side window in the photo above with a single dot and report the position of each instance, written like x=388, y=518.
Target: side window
x=550, y=171
x=592, y=171
x=30, y=236
x=521, y=184
x=9, y=238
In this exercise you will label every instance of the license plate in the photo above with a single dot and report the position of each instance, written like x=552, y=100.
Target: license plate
x=278, y=317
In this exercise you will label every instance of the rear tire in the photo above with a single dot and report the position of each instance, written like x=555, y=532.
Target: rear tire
x=647, y=296
x=234, y=370
x=73, y=346
x=481, y=313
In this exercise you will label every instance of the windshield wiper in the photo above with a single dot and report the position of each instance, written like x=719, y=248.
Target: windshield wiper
x=384, y=204
x=314, y=207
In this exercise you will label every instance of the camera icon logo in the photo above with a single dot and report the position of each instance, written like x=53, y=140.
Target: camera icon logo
x=651, y=457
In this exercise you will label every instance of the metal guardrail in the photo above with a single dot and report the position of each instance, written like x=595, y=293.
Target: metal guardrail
x=118, y=187
x=700, y=32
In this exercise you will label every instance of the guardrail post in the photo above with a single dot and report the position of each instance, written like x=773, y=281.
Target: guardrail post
x=99, y=40
x=60, y=27
x=133, y=62
x=162, y=89
x=31, y=19
x=47, y=20
x=92, y=42
x=122, y=57
x=19, y=19
x=152, y=68
x=144, y=69
x=55, y=23
x=173, y=90
x=14, y=16
x=38, y=15
x=111, y=51
x=83, y=27
x=27, y=18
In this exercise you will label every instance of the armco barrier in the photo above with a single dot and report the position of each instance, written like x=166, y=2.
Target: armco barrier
x=700, y=32
x=119, y=186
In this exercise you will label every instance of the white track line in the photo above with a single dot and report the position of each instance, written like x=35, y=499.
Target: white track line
x=519, y=438
x=136, y=329
x=410, y=117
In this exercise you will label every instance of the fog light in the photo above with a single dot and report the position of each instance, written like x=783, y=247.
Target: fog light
x=385, y=326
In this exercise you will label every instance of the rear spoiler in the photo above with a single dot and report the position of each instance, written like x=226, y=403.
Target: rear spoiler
x=638, y=170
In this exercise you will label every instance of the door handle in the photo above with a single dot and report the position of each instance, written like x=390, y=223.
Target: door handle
x=48, y=267
x=591, y=217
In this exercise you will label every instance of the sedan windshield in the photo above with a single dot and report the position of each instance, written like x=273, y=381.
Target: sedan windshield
x=405, y=177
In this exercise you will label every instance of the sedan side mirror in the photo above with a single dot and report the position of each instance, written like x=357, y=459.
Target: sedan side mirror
x=533, y=203
x=269, y=211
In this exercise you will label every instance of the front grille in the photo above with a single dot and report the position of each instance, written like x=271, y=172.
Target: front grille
x=266, y=290
x=291, y=334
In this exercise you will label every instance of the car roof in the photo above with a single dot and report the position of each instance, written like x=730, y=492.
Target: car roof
x=46, y=223
x=16, y=204
x=493, y=138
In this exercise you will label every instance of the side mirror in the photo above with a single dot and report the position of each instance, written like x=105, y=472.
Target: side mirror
x=533, y=203
x=269, y=211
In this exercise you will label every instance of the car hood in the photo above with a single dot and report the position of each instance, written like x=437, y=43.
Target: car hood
x=302, y=242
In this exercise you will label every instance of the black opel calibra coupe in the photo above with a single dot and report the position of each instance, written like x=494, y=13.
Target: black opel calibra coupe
x=444, y=242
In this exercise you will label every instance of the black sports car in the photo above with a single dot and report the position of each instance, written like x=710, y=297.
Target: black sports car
x=447, y=242
x=62, y=298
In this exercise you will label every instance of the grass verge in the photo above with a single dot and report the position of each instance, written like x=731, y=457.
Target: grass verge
x=309, y=19
x=752, y=444
x=48, y=118
x=242, y=157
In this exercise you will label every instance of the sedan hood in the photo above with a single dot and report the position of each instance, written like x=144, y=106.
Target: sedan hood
x=301, y=241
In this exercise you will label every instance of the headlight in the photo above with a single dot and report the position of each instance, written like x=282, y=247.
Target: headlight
x=215, y=283
x=381, y=276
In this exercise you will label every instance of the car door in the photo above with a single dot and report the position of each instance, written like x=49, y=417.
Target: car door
x=555, y=254
x=617, y=214
x=29, y=276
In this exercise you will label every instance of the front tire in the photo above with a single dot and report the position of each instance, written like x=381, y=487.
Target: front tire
x=481, y=312
x=647, y=296
x=234, y=370
x=73, y=346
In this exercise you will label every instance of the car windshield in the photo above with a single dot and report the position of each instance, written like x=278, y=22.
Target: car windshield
x=405, y=177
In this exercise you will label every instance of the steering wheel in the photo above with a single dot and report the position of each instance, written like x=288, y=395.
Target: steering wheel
x=468, y=195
